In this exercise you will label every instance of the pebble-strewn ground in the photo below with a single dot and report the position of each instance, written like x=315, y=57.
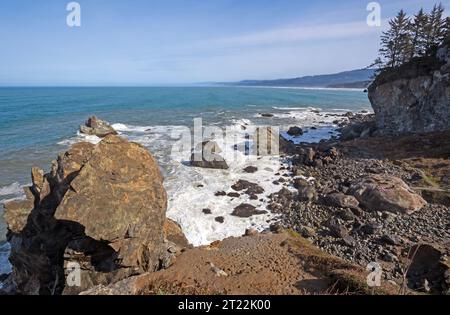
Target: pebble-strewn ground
x=361, y=236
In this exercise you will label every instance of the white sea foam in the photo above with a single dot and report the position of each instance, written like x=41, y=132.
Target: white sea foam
x=80, y=137
x=313, y=135
x=308, y=117
x=298, y=108
x=130, y=128
x=190, y=190
x=13, y=189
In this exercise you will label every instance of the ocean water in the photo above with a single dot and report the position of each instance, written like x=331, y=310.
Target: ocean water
x=38, y=123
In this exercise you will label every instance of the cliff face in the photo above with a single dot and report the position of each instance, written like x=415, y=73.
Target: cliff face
x=414, y=98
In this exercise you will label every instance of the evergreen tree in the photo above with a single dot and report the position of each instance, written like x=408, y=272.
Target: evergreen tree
x=396, y=42
x=436, y=28
x=418, y=29
x=447, y=27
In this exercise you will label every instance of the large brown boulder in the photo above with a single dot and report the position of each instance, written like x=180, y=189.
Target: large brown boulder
x=102, y=207
x=386, y=193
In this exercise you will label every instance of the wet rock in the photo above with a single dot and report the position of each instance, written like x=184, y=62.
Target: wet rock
x=220, y=194
x=233, y=195
x=97, y=127
x=206, y=155
x=266, y=115
x=246, y=211
x=220, y=219
x=386, y=193
x=295, y=131
x=248, y=187
x=207, y=211
x=250, y=169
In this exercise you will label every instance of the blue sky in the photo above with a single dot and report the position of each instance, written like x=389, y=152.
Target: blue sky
x=158, y=42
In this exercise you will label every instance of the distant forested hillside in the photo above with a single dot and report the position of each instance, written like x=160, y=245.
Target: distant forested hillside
x=356, y=78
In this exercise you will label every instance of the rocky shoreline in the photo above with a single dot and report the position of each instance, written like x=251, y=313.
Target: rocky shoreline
x=338, y=196
x=377, y=195
x=334, y=216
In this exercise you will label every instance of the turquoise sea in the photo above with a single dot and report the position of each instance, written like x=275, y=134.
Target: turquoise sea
x=38, y=123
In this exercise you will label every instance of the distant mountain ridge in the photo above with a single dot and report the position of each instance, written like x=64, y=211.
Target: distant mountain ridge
x=360, y=78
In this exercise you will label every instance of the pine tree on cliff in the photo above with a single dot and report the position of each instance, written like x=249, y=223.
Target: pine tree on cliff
x=447, y=27
x=396, y=42
x=418, y=29
x=436, y=28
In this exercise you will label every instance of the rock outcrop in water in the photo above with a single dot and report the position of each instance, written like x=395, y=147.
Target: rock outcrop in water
x=414, y=97
x=101, y=207
x=97, y=127
x=207, y=155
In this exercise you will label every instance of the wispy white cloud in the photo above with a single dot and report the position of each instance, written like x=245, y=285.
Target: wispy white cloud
x=301, y=33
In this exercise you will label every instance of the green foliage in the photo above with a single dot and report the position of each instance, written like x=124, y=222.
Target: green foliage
x=409, y=37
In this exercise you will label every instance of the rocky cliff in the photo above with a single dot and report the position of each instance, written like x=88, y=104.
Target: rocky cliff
x=414, y=98
x=101, y=207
